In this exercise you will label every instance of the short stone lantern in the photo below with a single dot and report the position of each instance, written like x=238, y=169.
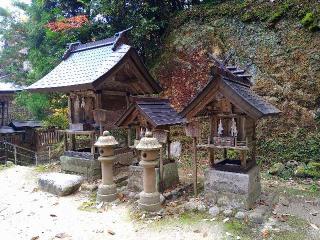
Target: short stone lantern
x=107, y=191
x=149, y=197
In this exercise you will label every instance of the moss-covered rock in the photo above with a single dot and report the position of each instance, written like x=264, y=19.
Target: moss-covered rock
x=276, y=169
x=312, y=169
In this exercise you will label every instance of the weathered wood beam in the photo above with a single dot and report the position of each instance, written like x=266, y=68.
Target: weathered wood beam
x=195, y=166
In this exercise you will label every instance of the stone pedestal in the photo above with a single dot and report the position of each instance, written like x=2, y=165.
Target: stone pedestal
x=236, y=190
x=149, y=197
x=170, y=177
x=107, y=191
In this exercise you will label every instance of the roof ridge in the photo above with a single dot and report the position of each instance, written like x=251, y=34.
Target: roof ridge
x=115, y=41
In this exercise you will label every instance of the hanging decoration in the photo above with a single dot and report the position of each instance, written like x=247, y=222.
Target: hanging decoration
x=220, y=128
x=234, y=131
x=83, y=104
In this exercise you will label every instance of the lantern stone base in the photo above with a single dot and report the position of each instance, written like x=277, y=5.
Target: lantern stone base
x=107, y=193
x=236, y=190
x=170, y=177
x=150, y=202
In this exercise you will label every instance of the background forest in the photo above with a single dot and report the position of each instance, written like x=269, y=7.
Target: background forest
x=277, y=41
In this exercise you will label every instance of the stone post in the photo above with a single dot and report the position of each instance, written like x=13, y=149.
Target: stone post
x=107, y=191
x=149, y=197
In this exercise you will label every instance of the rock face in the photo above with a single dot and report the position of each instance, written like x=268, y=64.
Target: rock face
x=59, y=183
x=232, y=190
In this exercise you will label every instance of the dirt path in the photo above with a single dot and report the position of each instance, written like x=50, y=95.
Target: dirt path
x=26, y=213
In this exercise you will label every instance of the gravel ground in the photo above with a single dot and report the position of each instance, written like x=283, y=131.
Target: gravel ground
x=26, y=213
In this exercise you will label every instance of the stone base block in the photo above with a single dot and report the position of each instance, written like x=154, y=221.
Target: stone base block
x=107, y=193
x=236, y=190
x=90, y=168
x=59, y=183
x=170, y=177
x=150, y=202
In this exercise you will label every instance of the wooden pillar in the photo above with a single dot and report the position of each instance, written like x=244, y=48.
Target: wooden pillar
x=253, y=157
x=195, y=167
x=98, y=101
x=92, y=136
x=73, y=142
x=7, y=119
x=161, y=169
x=2, y=113
x=168, y=144
x=65, y=135
x=69, y=109
x=137, y=132
x=243, y=159
x=211, y=157
x=243, y=128
x=76, y=110
x=129, y=136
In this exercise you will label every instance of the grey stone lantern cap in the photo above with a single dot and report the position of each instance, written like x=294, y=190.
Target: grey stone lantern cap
x=148, y=143
x=106, y=140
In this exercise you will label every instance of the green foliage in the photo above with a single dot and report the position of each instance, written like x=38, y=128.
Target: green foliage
x=302, y=147
x=310, y=22
x=59, y=119
x=36, y=103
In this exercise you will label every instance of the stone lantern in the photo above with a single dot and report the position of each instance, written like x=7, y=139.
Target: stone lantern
x=107, y=191
x=149, y=197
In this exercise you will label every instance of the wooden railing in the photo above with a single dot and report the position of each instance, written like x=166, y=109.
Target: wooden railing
x=23, y=156
x=47, y=137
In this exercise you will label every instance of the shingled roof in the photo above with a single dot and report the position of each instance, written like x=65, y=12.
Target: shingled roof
x=96, y=65
x=158, y=112
x=234, y=84
x=8, y=88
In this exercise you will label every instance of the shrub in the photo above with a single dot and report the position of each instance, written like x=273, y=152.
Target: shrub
x=59, y=119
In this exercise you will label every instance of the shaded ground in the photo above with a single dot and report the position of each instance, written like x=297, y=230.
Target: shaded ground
x=26, y=213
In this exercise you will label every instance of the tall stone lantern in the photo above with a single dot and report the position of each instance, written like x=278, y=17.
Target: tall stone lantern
x=107, y=191
x=149, y=197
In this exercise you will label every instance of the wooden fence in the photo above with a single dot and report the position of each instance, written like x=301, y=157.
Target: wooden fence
x=46, y=138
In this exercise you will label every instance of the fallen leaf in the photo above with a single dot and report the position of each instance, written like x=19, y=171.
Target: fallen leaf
x=62, y=235
x=225, y=220
x=265, y=233
x=35, y=237
x=314, y=226
x=53, y=215
x=111, y=232
x=205, y=234
x=196, y=231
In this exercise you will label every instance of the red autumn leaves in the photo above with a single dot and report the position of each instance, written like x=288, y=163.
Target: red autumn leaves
x=68, y=23
x=187, y=75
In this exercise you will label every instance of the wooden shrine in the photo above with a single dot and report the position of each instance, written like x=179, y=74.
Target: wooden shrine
x=99, y=78
x=155, y=115
x=232, y=110
x=7, y=91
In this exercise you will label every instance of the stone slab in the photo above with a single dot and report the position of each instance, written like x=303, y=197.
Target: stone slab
x=91, y=169
x=59, y=183
x=170, y=177
x=236, y=190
